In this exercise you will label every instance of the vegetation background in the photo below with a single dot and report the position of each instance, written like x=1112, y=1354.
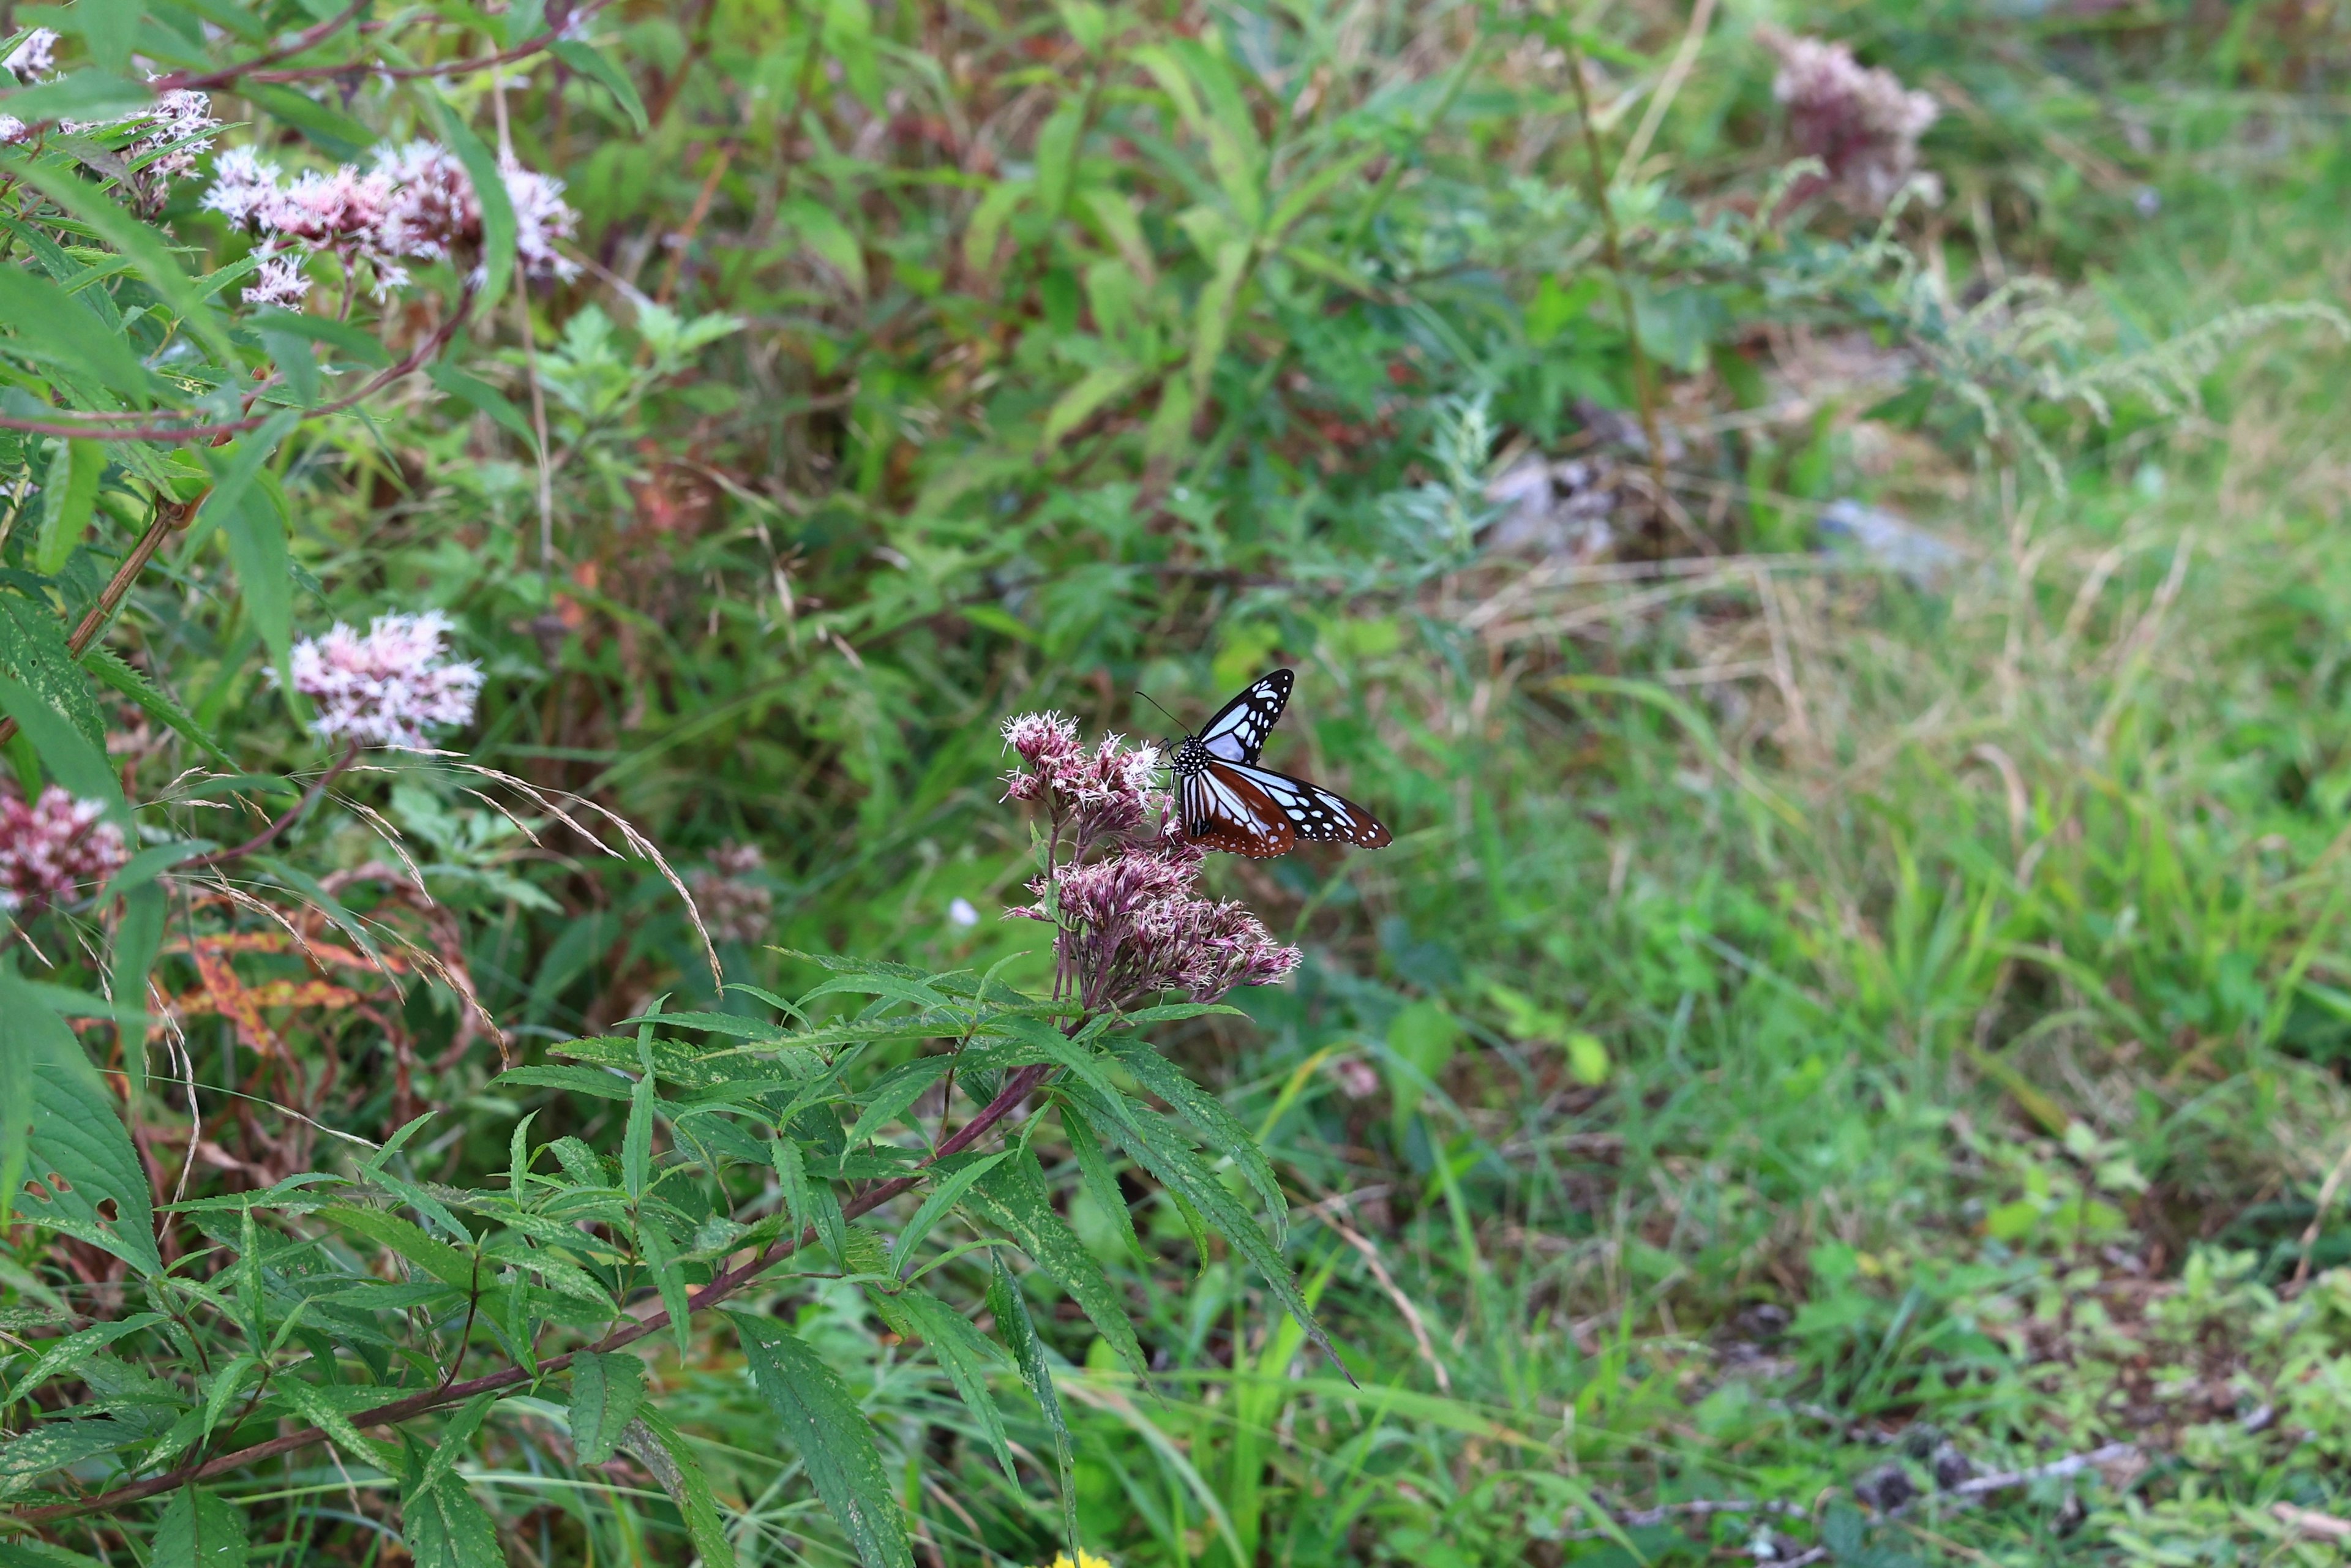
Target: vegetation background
x=1853, y=1023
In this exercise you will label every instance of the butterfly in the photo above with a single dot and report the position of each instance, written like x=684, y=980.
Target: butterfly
x=1229, y=803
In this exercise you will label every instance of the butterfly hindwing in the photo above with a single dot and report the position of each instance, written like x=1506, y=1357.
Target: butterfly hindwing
x=1310, y=810
x=1237, y=732
x=1233, y=815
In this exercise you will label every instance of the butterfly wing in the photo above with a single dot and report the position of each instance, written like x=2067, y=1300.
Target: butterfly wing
x=1233, y=814
x=1237, y=732
x=1307, y=810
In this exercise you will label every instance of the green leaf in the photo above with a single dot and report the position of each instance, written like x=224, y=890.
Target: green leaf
x=810, y=1202
x=63, y=1355
x=333, y=132
x=84, y=95
x=456, y=1437
x=821, y=230
x=138, y=938
x=434, y=1256
x=33, y=642
x=606, y=1390
x=53, y=1444
x=818, y=1418
x=64, y=751
x=478, y=394
x=442, y=1526
x=593, y=1081
x=1218, y=1127
x=85, y=1177
x=109, y=666
x=1212, y=319
x=897, y=1090
x=637, y=1139
x=964, y=1354
x=256, y=538
x=1097, y=387
x=1154, y=1142
x=200, y=1529
x=322, y=1411
x=655, y=1247
x=68, y=491
x=144, y=245
x=1020, y=1331
x=592, y=63
x=1014, y=1197
x=943, y=1197
x=490, y=191
x=656, y=1440
x=1100, y=1181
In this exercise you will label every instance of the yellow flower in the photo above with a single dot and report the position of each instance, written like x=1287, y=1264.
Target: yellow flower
x=1085, y=1560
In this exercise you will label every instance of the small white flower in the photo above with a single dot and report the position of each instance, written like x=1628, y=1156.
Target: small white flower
x=34, y=59
x=961, y=914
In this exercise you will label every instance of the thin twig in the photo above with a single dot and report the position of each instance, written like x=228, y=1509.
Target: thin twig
x=263, y=839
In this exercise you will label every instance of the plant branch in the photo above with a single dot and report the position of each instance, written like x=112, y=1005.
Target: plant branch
x=1017, y=1088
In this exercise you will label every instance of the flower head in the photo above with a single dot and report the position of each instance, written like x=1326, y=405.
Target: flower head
x=53, y=845
x=385, y=688
x=34, y=59
x=278, y=281
x=541, y=217
x=244, y=187
x=734, y=907
x=1861, y=123
x=1130, y=919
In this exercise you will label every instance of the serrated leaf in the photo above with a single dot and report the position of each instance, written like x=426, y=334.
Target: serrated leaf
x=65, y=1355
x=429, y=1253
x=944, y=1195
x=670, y=1278
x=578, y=1079
x=606, y=1390
x=1158, y=1149
x=897, y=1089
x=819, y=1419
x=1102, y=1182
x=53, y=1444
x=1012, y=1320
x=1014, y=1197
x=200, y=1529
x=144, y=245
x=66, y=499
x=321, y=1409
x=69, y=755
x=656, y=1440
x=964, y=1354
x=1218, y=1127
x=442, y=1526
x=78, y=1156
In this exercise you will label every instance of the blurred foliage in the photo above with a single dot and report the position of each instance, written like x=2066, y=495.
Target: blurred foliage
x=1822, y=1016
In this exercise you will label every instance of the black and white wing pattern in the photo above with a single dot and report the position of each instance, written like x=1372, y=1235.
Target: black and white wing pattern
x=1229, y=803
x=1237, y=732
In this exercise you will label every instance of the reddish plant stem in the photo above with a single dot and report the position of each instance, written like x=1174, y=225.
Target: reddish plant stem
x=262, y=840
x=1016, y=1089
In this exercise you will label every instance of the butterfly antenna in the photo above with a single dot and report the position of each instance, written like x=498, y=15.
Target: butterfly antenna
x=1146, y=696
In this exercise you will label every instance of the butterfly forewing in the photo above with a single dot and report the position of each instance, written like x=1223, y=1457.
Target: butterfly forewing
x=1237, y=732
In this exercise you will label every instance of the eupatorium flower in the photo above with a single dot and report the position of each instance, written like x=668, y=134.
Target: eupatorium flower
x=387, y=687
x=35, y=57
x=1123, y=898
x=734, y=907
x=415, y=204
x=52, y=846
x=1861, y=123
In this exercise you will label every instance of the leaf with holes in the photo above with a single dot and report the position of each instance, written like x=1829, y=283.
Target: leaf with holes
x=83, y=1178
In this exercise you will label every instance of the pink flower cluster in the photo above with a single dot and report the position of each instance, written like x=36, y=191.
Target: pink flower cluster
x=1861, y=123
x=1129, y=917
x=51, y=846
x=416, y=203
x=734, y=907
x=387, y=687
x=171, y=133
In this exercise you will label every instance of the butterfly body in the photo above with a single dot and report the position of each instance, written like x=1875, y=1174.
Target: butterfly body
x=1228, y=802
